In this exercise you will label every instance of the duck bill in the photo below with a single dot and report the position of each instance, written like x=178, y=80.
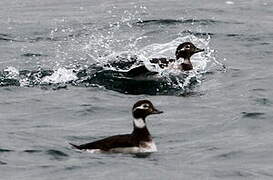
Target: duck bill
x=155, y=111
x=197, y=50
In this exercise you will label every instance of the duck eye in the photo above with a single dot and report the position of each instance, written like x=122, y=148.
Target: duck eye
x=188, y=46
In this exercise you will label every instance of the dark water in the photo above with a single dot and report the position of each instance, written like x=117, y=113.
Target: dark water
x=218, y=119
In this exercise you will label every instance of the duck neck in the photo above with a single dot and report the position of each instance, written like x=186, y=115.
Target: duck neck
x=141, y=131
x=186, y=64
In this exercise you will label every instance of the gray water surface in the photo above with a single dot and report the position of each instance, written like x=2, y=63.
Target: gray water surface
x=221, y=129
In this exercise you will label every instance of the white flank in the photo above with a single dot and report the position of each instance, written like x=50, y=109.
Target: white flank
x=94, y=150
x=126, y=150
x=148, y=147
x=145, y=147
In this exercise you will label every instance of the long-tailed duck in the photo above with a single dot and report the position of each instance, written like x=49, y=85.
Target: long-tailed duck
x=139, y=141
x=184, y=51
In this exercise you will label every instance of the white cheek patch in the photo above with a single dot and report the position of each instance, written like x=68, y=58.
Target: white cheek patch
x=139, y=123
x=143, y=106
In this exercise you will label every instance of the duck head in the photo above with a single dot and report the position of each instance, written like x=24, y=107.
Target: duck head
x=144, y=108
x=186, y=50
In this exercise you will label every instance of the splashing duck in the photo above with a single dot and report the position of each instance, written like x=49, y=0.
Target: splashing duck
x=183, y=52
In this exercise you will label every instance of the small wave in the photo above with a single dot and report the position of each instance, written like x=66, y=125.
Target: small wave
x=31, y=151
x=230, y=155
x=43, y=37
x=233, y=35
x=5, y=150
x=10, y=38
x=70, y=168
x=176, y=21
x=6, y=37
x=195, y=33
x=3, y=163
x=264, y=101
x=33, y=55
x=233, y=174
x=56, y=155
x=253, y=115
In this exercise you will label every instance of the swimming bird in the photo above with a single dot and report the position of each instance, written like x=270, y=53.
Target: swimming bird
x=139, y=141
x=184, y=51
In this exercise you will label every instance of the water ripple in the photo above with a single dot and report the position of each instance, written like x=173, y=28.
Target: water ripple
x=253, y=115
x=195, y=33
x=33, y=55
x=56, y=154
x=3, y=163
x=179, y=21
x=5, y=150
x=70, y=168
x=264, y=101
x=7, y=37
x=229, y=155
x=32, y=151
x=233, y=174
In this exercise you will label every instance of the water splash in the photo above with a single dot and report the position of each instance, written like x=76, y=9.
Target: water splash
x=11, y=72
x=101, y=55
x=61, y=75
x=111, y=72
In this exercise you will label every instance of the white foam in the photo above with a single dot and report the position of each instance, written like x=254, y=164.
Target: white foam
x=11, y=72
x=24, y=82
x=61, y=75
x=229, y=2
